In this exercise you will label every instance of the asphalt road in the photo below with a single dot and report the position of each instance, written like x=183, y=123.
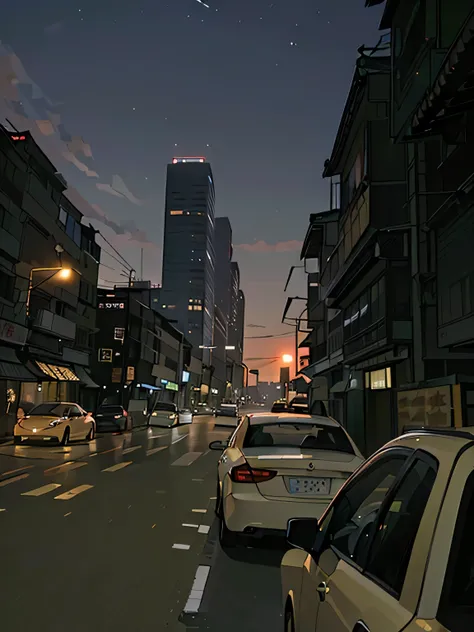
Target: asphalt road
x=120, y=534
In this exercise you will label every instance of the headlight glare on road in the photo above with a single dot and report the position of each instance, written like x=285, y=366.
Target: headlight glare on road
x=56, y=422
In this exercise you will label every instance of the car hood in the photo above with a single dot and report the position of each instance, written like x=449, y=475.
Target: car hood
x=39, y=421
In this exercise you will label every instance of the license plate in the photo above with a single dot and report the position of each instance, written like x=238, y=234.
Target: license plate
x=307, y=485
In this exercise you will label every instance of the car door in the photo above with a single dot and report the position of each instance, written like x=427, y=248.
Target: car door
x=231, y=456
x=348, y=517
x=76, y=422
x=366, y=571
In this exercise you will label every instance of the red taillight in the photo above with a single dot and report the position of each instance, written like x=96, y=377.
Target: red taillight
x=245, y=474
x=125, y=414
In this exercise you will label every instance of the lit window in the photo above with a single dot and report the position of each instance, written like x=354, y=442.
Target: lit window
x=190, y=308
x=176, y=212
x=171, y=306
x=378, y=380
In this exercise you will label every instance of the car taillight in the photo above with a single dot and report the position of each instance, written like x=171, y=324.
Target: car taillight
x=245, y=474
x=125, y=414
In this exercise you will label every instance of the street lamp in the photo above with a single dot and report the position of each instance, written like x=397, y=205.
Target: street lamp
x=63, y=273
x=287, y=358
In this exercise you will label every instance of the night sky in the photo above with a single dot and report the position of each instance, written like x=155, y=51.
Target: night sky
x=113, y=90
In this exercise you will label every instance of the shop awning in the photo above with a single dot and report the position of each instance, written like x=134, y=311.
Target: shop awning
x=84, y=377
x=57, y=372
x=12, y=369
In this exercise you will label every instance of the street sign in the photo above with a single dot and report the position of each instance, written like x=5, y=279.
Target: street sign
x=105, y=355
x=116, y=375
x=130, y=373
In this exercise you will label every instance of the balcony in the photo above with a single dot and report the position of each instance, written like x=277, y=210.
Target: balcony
x=55, y=325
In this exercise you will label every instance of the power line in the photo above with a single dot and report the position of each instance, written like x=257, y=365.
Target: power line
x=115, y=259
x=115, y=250
x=283, y=335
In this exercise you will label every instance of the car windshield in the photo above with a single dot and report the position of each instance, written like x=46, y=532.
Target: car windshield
x=298, y=435
x=54, y=408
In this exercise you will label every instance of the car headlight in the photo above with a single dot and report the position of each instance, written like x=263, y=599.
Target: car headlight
x=56, y=422
x=171, y=416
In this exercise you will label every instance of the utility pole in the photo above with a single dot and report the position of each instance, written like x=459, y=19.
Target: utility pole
x=126, y=342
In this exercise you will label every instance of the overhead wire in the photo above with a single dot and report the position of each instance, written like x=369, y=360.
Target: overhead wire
x=115, y=250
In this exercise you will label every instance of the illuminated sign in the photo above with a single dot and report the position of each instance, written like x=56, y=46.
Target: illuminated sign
x=111, y=305
x=61, y=373
x=188, y=159
x=105, y=355
x=185, y=377
x=171, y=386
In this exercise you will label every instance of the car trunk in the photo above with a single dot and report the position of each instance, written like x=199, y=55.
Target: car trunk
x=301, y=474
x=40, y=422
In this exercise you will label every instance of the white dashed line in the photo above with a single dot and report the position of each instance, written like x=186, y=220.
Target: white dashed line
x=197, y=591
x=117, y=466
x=66, y=467
x=155, y=450
x=187, y=459
x=194, y=526
x=184, y=547
x=73, y=492
x=45, y=489
x=204, y=528
x=132, y=449
x=199, y=510
x=14, y=479
x=179, y=439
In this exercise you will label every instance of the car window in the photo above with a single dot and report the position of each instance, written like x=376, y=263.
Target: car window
x=298, y=435
x=456, y=610
x=347, y=525
x=74, y=411
x=170, y=408
x=395, y=536
x=111, y=410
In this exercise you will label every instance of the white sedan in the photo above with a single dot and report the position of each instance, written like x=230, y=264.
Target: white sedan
x=55, y=422
x=275, y=467
x=394, y=550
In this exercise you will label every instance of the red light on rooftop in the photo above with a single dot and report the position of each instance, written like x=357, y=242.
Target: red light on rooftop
x=18, y=137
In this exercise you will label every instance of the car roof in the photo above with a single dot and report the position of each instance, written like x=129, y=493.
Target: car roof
x=59, y=404
x=266, y=418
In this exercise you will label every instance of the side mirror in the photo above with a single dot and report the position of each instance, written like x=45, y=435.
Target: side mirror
x=218, y=445
x=301, y=533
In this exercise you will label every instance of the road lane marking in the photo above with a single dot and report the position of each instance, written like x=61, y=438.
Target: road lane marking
x=117, y=466
x=68, y=466
x=155, y=450
x=2, y=509
x=14, y=479
x=39, y=491
x=73, y=492
x=200, y=510
x=204, y=528
x=184, y=547
x=197, y=591
x=194, y=526
x=187, y=459
x=18, y=469
x=67, y=514
x=198, y=480
x=107, y=451
x=179, y=439
x=132, y=449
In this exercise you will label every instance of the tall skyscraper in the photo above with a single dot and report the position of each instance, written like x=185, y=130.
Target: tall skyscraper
x=223, y=244
x=187, y=294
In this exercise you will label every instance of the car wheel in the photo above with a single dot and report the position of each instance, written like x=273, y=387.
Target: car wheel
x=91, y=434
x=16, y=440
x=65, y=439
x=289, y=620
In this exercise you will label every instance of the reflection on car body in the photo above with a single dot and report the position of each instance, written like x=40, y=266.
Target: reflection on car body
x=167, y=414
x=55, y=422
x=394, y=550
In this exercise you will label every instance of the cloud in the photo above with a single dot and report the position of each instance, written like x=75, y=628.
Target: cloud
x=69, y=156
x=280, y=246
x=77, y=146
x=108, y=189
x=45, y=127
x=119, y=185
x=256, y=326
x=53, y=28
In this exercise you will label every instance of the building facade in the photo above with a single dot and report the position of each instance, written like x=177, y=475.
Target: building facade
x=48, y=269
x=187, y=293
x=140, y=357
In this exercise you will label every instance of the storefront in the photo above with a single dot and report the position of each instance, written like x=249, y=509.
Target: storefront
x=52, y=383
x=378, y=408
x=12, y=375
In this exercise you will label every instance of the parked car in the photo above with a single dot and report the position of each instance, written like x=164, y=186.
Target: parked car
x=203, y=409
x=275, y=466
x=167, y=414
x=227, y=410
x=280, y=406
x=394, y=550
x=53, y=423
x=113, y=418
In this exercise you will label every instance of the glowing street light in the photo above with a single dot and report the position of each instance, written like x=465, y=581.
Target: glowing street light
x=62, y=273
x=287, y=358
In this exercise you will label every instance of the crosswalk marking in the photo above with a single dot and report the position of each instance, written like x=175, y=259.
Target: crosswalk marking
x=132, y=449
x=204, y=528
x=45, y=489
x=155, y=450
x=65, y=467
x=73, y=492
x=18, y=469
x=107, y=451
x=13, y=479
x=187, y=459
x=117, y=466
